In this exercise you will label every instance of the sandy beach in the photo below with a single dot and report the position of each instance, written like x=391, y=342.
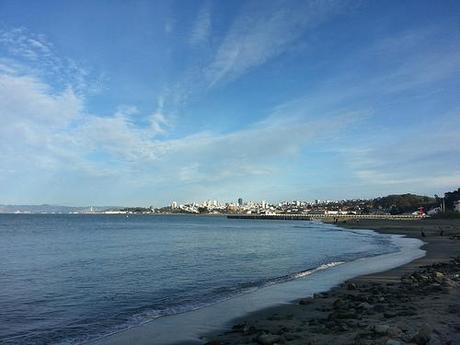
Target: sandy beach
x=417, y=303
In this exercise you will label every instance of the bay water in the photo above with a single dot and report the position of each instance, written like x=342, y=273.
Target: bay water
x=70, y=279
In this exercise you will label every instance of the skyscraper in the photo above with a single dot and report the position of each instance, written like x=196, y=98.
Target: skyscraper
x=240, y=202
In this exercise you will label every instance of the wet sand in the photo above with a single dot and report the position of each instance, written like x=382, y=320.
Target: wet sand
x=417, y=303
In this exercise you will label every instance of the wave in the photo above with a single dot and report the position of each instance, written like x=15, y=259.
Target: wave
x=319, y=268
x=221, y=294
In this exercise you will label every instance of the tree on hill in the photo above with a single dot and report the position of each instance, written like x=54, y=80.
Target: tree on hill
x=450, y=198
x=402, y=203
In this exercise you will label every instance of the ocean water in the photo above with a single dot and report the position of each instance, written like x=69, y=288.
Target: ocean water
x=70, y=279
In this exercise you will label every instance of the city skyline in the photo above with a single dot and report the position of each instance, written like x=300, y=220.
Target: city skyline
x=128, y=103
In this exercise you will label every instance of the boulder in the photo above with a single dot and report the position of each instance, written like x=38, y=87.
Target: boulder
x=267, y=339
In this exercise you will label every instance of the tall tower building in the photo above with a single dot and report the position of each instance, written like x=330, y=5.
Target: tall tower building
x=240, y=202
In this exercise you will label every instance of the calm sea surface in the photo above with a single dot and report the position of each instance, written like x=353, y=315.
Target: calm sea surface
x=67, y=279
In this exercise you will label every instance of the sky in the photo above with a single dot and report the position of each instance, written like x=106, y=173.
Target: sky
x=149, y=102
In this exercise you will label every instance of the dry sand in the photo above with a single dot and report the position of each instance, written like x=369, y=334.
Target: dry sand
x=418, y=303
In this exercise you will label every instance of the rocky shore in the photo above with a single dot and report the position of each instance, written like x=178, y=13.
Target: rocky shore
x=418, y=303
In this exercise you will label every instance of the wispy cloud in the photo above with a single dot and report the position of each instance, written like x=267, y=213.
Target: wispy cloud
x=33, y=53
x=263, y=32
x=19, y=42
x=202, y=26
x=260, y=32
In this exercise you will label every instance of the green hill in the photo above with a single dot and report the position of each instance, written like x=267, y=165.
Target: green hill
x=401, y=203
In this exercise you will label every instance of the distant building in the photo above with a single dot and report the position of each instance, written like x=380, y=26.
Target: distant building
x=240, y=202
x=174, y=204
x=434, y=211
x=264, y=204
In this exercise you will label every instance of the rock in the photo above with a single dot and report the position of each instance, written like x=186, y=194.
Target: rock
x=267, y=339
x=389, y=314
x=291, y=336
x=423, y=335
x=275, y=317
x=351, y=286
x=453, y=309
x=392, y=342
x=362, y=324
x=239, y=327
x=249, y=330
x=213, y=342
x=381, y=329
x=283, y=330
x=338, y=303
x=394, y=332
x=365, y=306
x=407, y=313
x=343, y=315
x=439, y=277
x=305, y=301
x=434, y=340
x=449, y=283
x=379, y=308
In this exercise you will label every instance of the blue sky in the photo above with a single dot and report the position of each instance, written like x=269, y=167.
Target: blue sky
x=146, y=102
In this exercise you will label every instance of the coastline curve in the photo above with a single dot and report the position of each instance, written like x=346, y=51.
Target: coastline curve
x=210, y=320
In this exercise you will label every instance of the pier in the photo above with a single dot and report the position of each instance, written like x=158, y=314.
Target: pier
x=326, y=217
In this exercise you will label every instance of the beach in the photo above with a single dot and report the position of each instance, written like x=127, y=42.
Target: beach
x=417, y=303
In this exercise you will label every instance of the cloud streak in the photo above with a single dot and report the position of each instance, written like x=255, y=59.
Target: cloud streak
x=202, y=26
x=263, y=32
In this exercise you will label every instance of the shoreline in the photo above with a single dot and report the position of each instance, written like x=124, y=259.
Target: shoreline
x=202, y=325
x=336, y=317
